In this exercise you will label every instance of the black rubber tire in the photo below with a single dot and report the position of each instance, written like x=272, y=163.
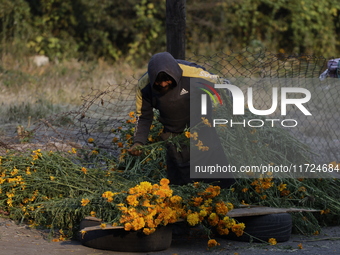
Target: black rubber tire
x=264, y=227
x=125, y=241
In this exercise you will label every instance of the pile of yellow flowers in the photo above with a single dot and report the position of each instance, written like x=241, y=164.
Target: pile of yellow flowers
x=147, y=206
x=49, y=190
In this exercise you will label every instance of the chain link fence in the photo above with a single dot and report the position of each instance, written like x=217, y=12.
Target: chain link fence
x=105, y=110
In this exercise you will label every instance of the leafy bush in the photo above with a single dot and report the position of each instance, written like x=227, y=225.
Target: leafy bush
x=135, y=29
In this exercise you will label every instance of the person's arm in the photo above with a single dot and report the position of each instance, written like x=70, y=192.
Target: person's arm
x=144, y=116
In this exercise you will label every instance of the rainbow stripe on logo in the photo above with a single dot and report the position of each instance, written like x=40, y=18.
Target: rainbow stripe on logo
x=213, y=94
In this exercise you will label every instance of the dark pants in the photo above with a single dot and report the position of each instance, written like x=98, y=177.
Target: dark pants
x=178, y=168
x=178, y=164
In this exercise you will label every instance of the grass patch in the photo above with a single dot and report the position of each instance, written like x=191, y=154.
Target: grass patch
x=21, y=113
x=61, y=83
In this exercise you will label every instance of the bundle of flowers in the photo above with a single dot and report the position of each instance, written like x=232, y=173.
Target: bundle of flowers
x=57, y=190
x=147, y=206
x=52, y=190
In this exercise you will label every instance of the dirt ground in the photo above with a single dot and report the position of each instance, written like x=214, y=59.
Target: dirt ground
x=21, y=240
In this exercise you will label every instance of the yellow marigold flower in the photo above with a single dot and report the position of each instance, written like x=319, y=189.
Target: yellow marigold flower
x=238, y=228
x=194, y=136
x=282, y=187
x=208, y=202
x=15, y=171
x=127, y=226
x=124, y=209
x=163, y=193
x=84, y=170
x=193, y=219
x=28, y=170
x=108, y=194
x=132, y=200
x=131, y=114
x=213, y=219
x=132, y=121
x=164, y=182
x=52, y=178
x=212, y=191
x=221, y=208
x=94, y=152
x=103, y=225
x=138, y=223
x=187, y=134
x=83, y=232
x=93, y=214
x=90, y=140
x=285, y=193
x=10, y=180
x=203, y=148
x=262, y=184
x=206, y=121
x=302, y=189
x=244, y=190
x=175, y=199
x=73, y=150
x=325, y=211
x=197, y=201
x=146, y=203
x=148, y=231
x=212, y=243
x=203, y=213
x=10, y=195
x=222, y=231
x=145, y=187
x=84, y=202
x=272, y=241
x=300, y=246
x=38, y=152
x=199, y=143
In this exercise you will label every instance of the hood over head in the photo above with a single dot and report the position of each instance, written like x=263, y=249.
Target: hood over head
x=164, y=62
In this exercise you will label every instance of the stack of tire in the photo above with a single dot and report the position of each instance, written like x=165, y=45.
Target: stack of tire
x=261, y=228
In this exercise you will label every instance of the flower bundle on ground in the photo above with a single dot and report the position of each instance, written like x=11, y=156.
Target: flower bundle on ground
x=317, y=193
x=147, y=206
x=53, y=190
x=57, y=190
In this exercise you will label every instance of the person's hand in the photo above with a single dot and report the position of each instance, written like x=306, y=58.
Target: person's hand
x=134, y=150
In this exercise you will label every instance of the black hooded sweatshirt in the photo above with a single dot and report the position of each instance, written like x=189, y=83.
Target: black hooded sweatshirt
x=174, y=105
